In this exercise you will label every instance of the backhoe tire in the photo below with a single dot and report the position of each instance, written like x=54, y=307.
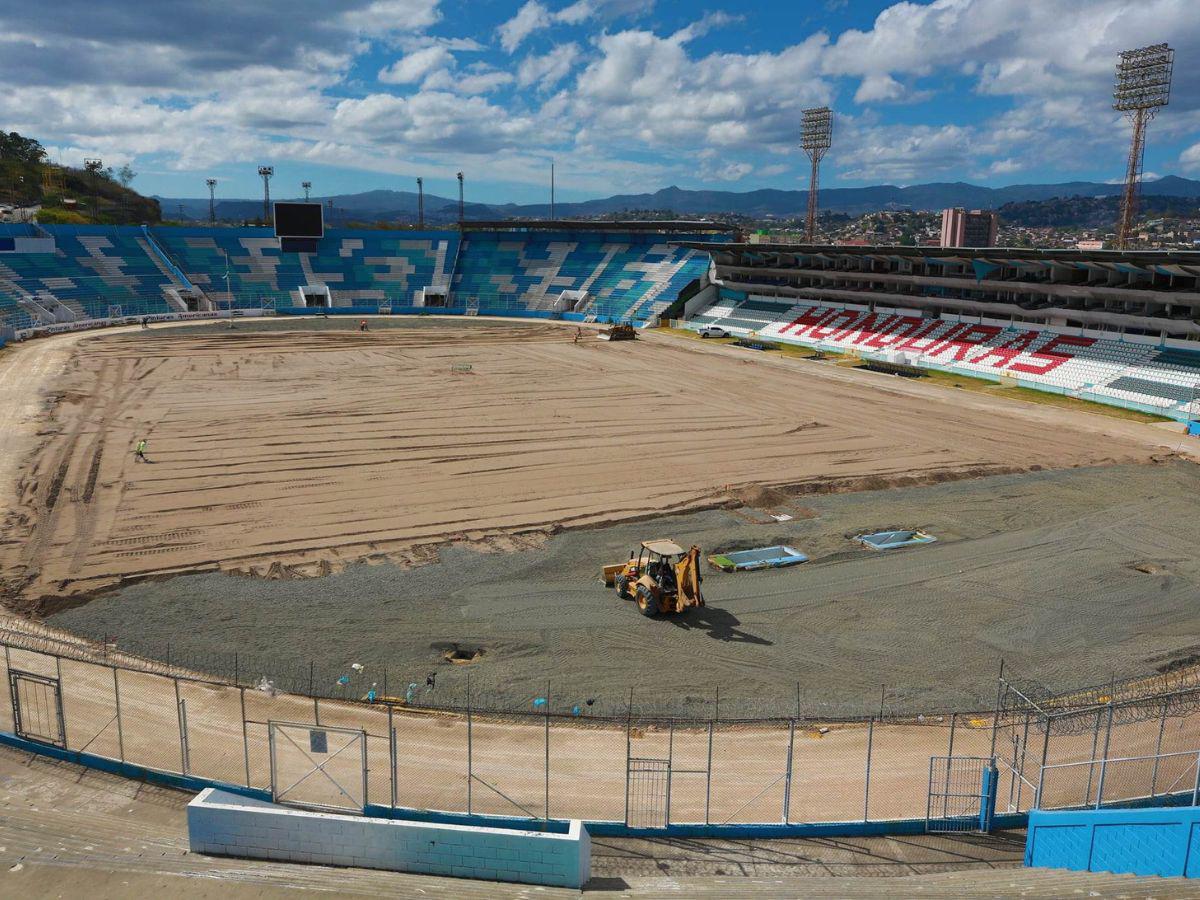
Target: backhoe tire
x=621, y=583
x=646, y=601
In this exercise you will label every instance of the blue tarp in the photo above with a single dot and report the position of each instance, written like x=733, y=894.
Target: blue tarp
x=759, y=558
x=888, y=540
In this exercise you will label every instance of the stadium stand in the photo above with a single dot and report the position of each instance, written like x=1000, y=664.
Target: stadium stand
x=626, y=277
x=92, y=271
x=362, y=269
x=1153, y=377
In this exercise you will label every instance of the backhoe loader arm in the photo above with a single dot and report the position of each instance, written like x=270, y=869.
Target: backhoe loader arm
x=687, y=574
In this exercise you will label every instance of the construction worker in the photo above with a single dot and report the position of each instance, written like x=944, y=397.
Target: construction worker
x=139, y=455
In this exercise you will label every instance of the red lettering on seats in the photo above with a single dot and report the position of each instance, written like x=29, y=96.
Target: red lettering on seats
x=829, y=326
x=812, y=317
x=896, y=330
x=1053, y=360
x=920, y=334
x=946, y=340
x=1009, y=350
x=866, y=328
x=971, y=336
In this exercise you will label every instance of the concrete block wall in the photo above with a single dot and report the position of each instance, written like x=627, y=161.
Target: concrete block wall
x=1156, y=841
x=224, y=824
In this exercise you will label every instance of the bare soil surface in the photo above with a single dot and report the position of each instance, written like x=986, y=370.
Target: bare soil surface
x=285, y=448
x=1073, y=577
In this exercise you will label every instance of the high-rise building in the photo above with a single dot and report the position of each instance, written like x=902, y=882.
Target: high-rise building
x=969, y=228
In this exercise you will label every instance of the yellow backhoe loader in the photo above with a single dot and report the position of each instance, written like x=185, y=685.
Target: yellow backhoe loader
x=662, y=577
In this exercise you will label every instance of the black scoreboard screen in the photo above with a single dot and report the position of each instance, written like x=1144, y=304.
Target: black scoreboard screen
x=299, y=220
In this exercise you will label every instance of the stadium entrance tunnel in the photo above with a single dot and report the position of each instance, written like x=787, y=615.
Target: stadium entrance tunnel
x=890, y=540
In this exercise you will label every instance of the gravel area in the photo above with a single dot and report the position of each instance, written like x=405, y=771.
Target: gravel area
x=1073, y=577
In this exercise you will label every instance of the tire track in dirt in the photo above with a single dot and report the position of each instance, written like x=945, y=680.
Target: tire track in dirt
x=319, y=449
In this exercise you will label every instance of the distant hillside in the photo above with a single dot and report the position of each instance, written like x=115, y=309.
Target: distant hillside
x=401, y=206
x=1092, y=212
x=393, y=207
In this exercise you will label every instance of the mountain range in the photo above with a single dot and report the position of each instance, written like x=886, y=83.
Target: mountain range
x=401, y=206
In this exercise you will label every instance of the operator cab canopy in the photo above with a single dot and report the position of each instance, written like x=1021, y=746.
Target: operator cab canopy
x=664, y=548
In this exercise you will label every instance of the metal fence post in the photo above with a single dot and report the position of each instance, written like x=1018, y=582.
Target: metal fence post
x=1196, y=783
x=271, y=755
x=1000, y=690
x=1019, y=769
x=392, y=753
x=185, y=762
x=470, y=772
x=1162, y=724
x=628, y=749
x=670, y=765
x=547, y=810
x=787, y=784
x=1087, y=794
x=867, y=780
x=62, y=712
x=1104, y=759
x=245, y=735
x=117, y=699
x=1037, y=797
x=708, y=775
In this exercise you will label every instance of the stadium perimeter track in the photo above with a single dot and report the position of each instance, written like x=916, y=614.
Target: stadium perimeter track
x=585, y=434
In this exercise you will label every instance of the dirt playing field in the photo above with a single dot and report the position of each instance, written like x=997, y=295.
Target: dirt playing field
x=1073, y=577
x=289, y=448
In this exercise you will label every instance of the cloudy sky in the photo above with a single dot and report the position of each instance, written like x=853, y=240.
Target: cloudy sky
x=625, y=96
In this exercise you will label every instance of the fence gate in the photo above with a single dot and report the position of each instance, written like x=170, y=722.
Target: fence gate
x=318, y=767
x=648, y=793
x=37, y=708
x=958, y=794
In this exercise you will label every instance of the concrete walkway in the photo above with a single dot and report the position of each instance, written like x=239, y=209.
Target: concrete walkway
x=67, y=831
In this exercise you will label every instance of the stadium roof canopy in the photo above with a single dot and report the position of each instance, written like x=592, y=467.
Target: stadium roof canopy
x=959, y=254
x=681, y=227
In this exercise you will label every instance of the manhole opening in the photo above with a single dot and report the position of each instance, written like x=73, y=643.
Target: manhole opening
x=461, y=656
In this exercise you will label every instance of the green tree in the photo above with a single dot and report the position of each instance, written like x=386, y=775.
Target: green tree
x=21, y=149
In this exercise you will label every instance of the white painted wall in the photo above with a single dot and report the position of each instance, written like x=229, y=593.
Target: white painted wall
x=224, y=824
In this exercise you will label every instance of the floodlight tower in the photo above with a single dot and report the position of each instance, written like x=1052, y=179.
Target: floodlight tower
x=307, y=185
x=1143, y=85
x=421, y=204
x=816, y=137
x=265, y=172
x=212, y=200
x=461, y=205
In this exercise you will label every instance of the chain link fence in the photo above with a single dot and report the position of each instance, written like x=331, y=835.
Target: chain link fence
x=633, y=767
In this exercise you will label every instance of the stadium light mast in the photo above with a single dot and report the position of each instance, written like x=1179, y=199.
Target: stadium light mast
x=551, y=190
x=816, y=137
x=461, y=205
x=421, y=204
x=93, y=166
x=307, y=185
x=265, y=172
x=212, y=200
x=1143, y=85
